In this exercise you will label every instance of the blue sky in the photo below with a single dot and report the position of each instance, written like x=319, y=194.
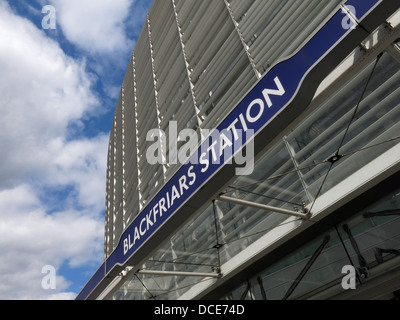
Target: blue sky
x=58, y=91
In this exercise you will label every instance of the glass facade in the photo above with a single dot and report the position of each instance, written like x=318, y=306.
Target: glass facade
x=369, y=241
x=193, y=62
x=296, y=171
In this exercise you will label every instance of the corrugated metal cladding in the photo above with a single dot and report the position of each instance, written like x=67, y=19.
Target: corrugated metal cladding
x=192, y=63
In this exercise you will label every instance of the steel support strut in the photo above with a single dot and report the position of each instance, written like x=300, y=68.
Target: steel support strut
x=301, y=214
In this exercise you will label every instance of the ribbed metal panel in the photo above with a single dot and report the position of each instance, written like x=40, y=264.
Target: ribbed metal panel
x=193, y=62
x=150, y=176
x=118, y=177
x=174, y=98
x=131, y=190
x=273, y=29
x=215, y=56
x=108, y=246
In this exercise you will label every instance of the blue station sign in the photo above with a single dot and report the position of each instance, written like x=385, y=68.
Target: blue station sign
x=278, y=98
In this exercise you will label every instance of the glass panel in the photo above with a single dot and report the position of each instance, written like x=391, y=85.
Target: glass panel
x=373, y=237
x=280, y=182
x=191, y=250
x=274, y=179
x=377, y=121
x=279, y=279
x=314, y=271
x=274, y=182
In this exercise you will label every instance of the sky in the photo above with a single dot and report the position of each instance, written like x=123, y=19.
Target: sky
x=58, y=92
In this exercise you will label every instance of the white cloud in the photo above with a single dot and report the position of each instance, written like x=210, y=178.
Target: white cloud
x=95, y=26
x=32, y=239
x=82, y=164
x=42, y=91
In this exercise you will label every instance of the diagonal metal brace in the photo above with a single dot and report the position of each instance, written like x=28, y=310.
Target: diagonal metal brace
x=303, y=215
x=178, y=273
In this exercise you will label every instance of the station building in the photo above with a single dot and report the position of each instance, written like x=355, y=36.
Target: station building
x=316, y=215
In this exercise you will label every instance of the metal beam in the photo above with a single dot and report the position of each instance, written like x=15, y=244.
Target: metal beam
x=307, y=267
x=178, y=273
x=303, y=215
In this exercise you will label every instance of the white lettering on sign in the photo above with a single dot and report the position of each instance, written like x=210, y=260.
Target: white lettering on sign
x=225, y=140
x=161, y=207
x=221, y=147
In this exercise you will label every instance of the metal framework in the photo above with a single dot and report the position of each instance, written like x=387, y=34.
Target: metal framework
x=177, y=273
x=192, y=63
